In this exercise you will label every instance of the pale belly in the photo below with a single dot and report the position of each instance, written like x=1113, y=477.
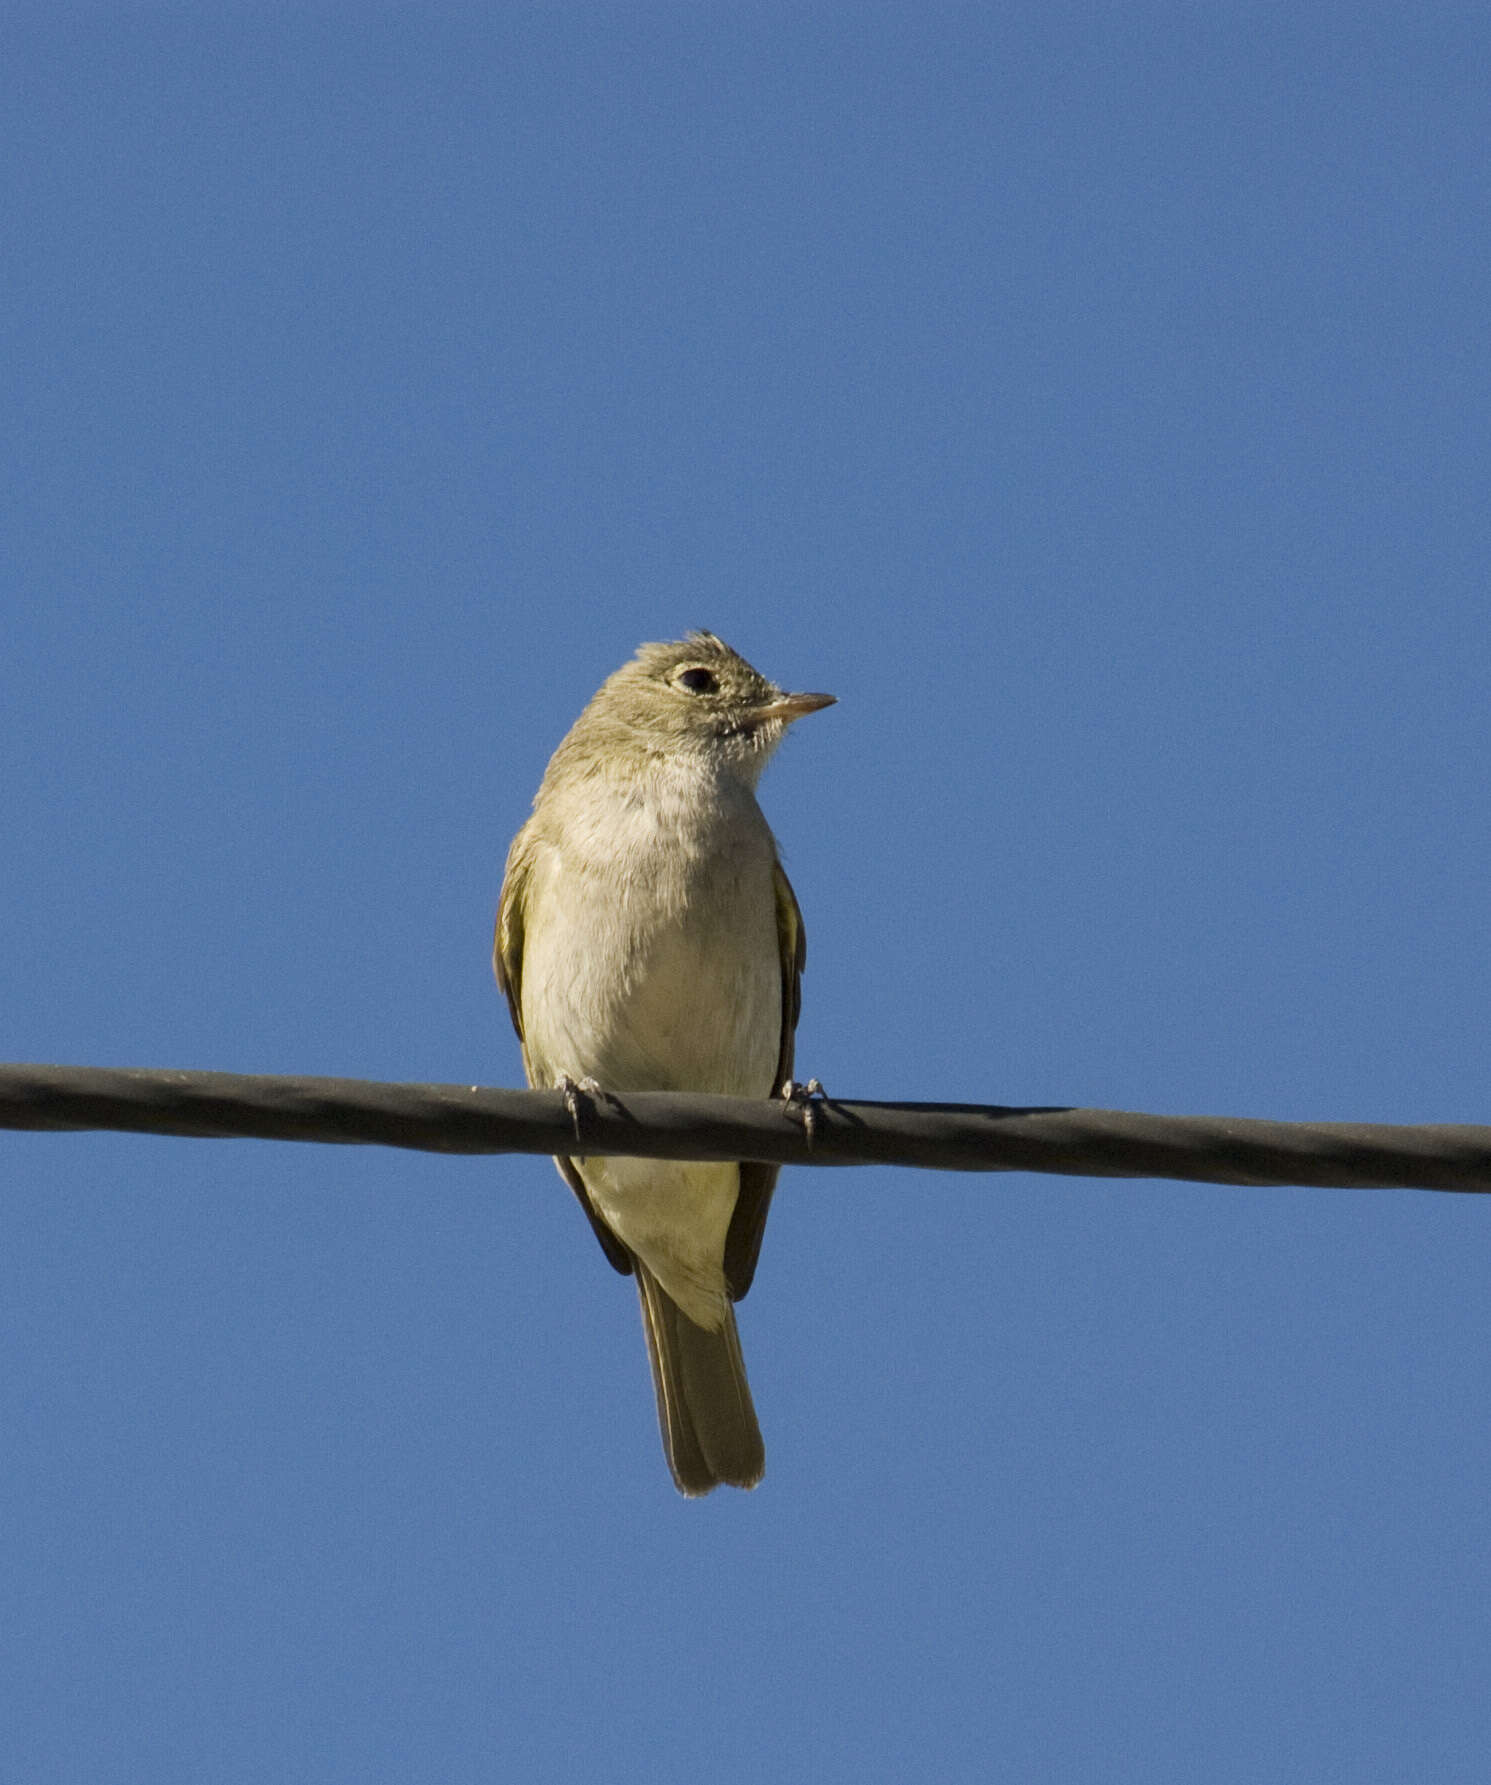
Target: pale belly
x=690, y=1001
x=687, y=1001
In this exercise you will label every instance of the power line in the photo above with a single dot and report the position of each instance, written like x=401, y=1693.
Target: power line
x=667, y=1125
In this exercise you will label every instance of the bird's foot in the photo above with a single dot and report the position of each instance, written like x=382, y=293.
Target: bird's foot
x=804, y=1101
x=576, y=1092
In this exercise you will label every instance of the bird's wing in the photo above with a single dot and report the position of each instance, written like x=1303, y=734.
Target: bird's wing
x=507, y=964
x=507, y=943
x=757, y=1181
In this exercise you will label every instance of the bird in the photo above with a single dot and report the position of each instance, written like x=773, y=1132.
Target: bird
x=648, y=939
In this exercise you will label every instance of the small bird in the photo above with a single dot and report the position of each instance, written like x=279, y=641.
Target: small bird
x=648, y=940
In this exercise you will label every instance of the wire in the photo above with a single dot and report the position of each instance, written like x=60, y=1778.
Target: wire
x=822, y=1131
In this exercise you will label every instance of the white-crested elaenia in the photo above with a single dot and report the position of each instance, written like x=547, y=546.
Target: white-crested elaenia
x=648, y=940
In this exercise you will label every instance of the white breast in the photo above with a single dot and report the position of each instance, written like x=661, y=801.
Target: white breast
x=650, y=957
x=651, y=962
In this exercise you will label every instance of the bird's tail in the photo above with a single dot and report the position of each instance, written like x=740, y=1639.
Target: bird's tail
x=704, y=1406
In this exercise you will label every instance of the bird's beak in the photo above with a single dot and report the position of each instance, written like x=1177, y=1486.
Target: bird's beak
x=788, y=707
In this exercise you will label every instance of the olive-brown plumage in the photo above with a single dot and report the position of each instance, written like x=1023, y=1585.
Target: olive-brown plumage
x=648, y=939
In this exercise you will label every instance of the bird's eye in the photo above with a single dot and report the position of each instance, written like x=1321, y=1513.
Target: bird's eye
x=698, y=681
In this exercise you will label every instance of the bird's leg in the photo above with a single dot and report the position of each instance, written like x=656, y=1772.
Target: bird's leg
x=804, y=1100
x=575, y=1091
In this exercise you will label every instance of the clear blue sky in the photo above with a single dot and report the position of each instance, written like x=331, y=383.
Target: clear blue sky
x=1098, y=400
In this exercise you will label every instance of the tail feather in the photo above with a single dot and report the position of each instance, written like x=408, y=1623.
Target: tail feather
x=704, y=1409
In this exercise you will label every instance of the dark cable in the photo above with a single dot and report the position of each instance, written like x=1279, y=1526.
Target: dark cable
x=665, y=1125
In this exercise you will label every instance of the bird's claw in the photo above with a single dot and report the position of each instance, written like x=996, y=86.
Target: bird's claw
x=805, y=1100
x=575, y=1092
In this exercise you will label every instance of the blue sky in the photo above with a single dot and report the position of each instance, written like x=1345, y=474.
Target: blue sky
x=1097, y=401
